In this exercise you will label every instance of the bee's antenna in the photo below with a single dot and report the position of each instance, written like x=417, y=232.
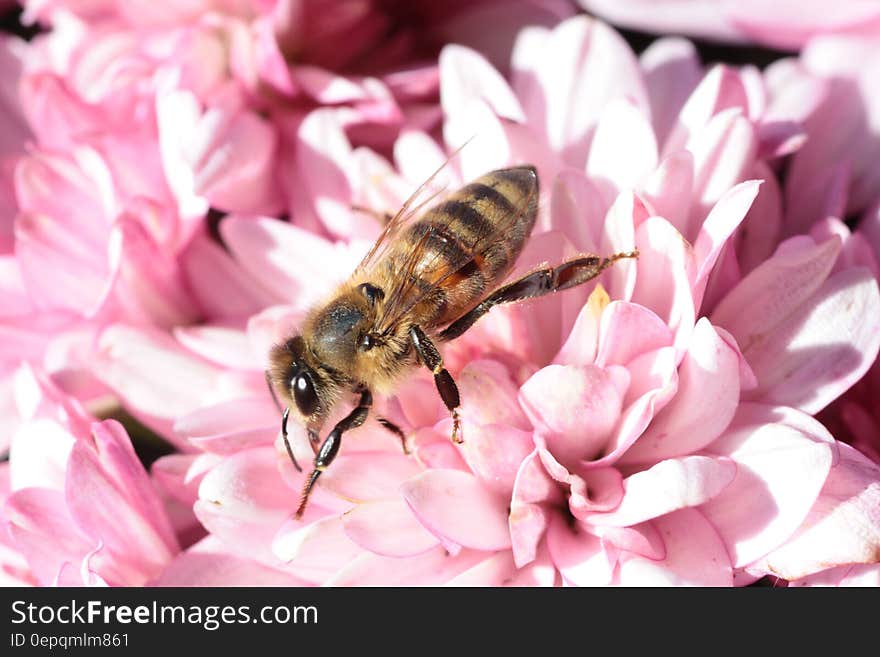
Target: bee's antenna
x=286, y=441
x=284, y=415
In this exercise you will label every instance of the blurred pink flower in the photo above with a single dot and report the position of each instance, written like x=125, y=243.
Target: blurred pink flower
x=140, y=121
x=786, y=24
x=836, y=172
x=79, y=506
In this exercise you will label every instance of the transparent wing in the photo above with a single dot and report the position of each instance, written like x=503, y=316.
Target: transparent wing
x=426, y=268
x=411, y=208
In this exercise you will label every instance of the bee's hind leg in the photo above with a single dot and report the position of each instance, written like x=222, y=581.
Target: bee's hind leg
x=536, y=284
x=330, y=447
x=432, y=359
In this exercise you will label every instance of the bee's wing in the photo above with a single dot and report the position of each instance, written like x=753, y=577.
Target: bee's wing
x=410, y=209
x=421, y=274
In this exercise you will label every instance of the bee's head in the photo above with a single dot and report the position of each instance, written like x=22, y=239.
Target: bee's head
x=308, y=388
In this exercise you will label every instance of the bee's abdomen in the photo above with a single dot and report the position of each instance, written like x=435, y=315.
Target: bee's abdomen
x=469, y=242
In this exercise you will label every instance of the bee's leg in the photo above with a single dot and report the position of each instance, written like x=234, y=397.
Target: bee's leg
x=330, y=446
x=284, y=415
x=432, y=359
x=536, y=284
x=396, y=430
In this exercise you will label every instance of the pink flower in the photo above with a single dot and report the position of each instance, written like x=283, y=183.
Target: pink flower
x=79, y=508
x=783, y=24
x=654, y=427
x=612, y=441
x=835, y=173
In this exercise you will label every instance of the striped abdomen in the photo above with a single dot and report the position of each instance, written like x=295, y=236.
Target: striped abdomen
x=467, y=244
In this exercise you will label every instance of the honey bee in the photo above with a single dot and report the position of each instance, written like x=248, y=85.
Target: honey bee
x=428, y=278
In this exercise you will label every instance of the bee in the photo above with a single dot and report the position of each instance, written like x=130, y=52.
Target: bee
x=428, y=278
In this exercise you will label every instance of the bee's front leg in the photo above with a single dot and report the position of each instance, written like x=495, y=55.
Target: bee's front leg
x=330, y=447
x=432, y=359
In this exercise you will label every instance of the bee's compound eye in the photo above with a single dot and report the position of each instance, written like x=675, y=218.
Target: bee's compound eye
x=304, y=393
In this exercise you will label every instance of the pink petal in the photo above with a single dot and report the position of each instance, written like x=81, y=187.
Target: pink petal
x=623, y=151
x=695, y=555
x=322, y=151
x=582, y=65
x=668, y=189
x=500, y=570
x=372, y=475
x=388, y=527
x=618, y=236
x=494, y=453
x=775, y=289
x=664, y=275
x=229, y=427
x=220, y=286
x=179, y=475
x=528, y=524
x=221, y=344
x=417, y=156
x=431, y=568
x=465, y=75
x=789, y=24
x=529, y=517
x=147, y=280
x=488, y=395
x=491, y=28
x=628, y=330
x=779, y=138
x=724, y=218
x=666, y=487
x=783, y=458
x=440, y=453
x=456, y=506
x=657, y=381
x=580, y=557
x=40, y=525
x=582, y=342
x=576, y=209
x=705, y=402
x=761, y=228
x=491, y=146
x=643, y=539
x=268, y=249
x=100, y=508
x=800, y=363
x=38, y=454
x=720, y=89
x=672, y=71
x=119, y=462
x=315, y=551
x=56, y=114
x=208, y=564
x=78, y=282
x=232, y=153
x=861, y=575
x=243, y=501
x=595, y=490
x=576, y=408
x=843, y=527
x=152, y=374
x=723, y=153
